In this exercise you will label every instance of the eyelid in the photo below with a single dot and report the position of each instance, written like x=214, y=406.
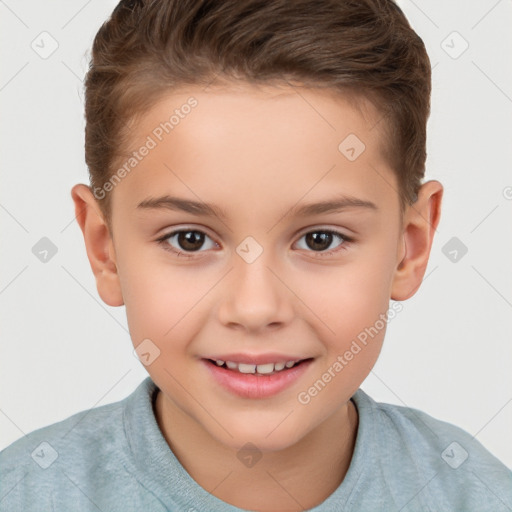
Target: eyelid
x=325, y=228
x=185, y=228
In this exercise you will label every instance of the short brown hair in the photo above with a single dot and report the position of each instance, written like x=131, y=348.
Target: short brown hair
x=147, y=48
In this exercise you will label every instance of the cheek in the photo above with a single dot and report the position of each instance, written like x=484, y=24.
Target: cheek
x=356, y=312
x=350, y=303
x=163, y=302
x=347, y=299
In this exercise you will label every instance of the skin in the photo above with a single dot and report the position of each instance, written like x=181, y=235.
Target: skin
x=256, y=153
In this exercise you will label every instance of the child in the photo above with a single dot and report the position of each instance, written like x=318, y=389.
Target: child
x=288, y=137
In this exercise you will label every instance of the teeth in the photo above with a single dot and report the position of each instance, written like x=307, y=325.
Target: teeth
x=246, y=368
x=265, y=368
x=262, y=369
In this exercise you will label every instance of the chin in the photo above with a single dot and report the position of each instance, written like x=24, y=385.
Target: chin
x=269, y=436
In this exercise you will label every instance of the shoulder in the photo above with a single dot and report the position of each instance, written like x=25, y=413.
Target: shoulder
x=76, y=437
x=86, y=449
x=454, y=469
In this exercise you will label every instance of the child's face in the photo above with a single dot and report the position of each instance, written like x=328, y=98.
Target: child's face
x=256, y=286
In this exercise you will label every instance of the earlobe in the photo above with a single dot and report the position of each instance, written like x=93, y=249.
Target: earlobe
x=421, y=221
x=98, y=244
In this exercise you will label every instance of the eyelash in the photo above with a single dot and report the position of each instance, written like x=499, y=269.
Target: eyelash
x=166, y=246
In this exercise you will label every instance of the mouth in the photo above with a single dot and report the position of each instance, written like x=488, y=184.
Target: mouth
x=256, y=378
x=257, y=369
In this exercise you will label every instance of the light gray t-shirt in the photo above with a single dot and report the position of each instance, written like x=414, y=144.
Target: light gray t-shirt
x=114, y=458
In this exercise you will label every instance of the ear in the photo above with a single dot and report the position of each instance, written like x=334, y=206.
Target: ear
x=420, y=222
x=99, y=245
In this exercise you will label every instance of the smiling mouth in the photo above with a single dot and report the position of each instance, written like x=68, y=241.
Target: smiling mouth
x=257, y=369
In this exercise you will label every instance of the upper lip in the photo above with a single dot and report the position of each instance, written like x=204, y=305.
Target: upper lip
x=256, y=358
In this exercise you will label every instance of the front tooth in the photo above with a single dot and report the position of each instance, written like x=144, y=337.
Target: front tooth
x=219, y=362
x=231, y=365
x=289, y=364
x=279, y=366
x=246, y=368
x=265, y=368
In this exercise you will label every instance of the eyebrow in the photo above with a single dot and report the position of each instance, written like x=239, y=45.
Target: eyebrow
x=185, y=205
x=332, y=206
x=204, y=209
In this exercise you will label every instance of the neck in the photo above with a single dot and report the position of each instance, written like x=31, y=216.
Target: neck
x=299, y=477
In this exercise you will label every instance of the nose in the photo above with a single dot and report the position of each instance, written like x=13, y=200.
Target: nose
x=255, y=298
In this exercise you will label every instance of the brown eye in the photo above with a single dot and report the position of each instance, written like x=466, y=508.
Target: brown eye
x=184, y=241
x=319, y=241
x=322, y=240
x=190, y=240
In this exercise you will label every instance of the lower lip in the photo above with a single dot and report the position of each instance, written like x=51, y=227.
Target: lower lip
x=249, y=385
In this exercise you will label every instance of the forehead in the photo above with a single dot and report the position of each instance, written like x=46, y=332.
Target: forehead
x=246, y=144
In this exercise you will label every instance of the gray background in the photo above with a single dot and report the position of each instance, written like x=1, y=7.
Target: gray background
x=449, y=351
